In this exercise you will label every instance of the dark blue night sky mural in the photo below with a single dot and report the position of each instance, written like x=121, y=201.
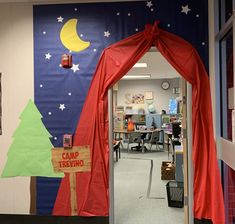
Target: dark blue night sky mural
x=59, y=92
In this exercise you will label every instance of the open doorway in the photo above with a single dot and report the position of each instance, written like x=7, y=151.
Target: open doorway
x=115, y=62
x=148, y=148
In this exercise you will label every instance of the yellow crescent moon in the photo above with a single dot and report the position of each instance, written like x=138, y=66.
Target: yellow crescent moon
x=70, y=38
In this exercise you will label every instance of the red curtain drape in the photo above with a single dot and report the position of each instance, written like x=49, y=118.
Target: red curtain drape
x=115, y=62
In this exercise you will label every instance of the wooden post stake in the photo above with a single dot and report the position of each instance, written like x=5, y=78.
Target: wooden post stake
x=73, y=194
x=70, y=161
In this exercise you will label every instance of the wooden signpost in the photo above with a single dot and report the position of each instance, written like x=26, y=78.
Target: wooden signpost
x=76, y=159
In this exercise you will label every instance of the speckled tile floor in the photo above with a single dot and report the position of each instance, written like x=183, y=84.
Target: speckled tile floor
x=140, y=199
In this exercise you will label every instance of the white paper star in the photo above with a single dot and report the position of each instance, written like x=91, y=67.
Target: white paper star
x=60, y=19
x=81, y=35
x=136, y=29
x=55, y=138
x=75, y=9
x=48, y=56
x=41, y=85
x=62, y=107
x=185, y=9
x=75, y=67
x=149, y=4
x=203, y=43
x=197, y=15
x=49, y=113
x=168, y=24
x=129, y=14
x=118, y=13
x=107, y=33
x=69, y=94
x=94, y=50
x=44, y=32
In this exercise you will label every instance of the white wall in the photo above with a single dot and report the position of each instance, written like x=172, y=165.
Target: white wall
x=161, y=97
x=16, y=66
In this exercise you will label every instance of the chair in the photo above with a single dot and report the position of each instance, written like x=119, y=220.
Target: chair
x=175, y=140
x=117, y=137
x=116, y=148
x=176, y=132
x=154, y=139
x=134, y=137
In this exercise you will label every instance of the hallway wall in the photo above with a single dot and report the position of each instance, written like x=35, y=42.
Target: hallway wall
x=16, y=66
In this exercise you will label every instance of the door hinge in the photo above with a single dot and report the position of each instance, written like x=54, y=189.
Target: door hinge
x=184, y=100
x=186, y=200
x=184, y=133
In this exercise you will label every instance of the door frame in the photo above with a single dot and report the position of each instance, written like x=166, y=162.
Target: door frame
x=188, y=169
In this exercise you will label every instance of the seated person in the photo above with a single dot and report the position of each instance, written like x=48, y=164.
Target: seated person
x=130, y=125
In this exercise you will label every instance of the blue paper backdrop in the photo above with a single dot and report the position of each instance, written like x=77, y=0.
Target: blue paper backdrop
x=60, y=93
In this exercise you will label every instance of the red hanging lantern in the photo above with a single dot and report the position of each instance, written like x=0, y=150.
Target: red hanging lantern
x=66, y=60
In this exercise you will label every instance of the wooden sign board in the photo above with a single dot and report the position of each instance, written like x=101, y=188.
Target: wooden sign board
x=76, y=159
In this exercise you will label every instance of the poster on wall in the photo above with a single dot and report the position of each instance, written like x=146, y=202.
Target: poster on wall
x=138, y=98
x=172, y=106
x=148, y=95
x=134, y=98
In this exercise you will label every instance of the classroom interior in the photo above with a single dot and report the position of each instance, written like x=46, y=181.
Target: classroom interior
x=148, y=147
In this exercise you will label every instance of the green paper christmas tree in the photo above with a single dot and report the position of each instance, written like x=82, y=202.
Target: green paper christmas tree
x=30, y=152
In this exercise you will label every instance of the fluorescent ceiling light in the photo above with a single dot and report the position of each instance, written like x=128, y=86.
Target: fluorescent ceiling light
x=136, y=76
x=140, y=65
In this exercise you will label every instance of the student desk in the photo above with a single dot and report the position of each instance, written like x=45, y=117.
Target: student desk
x=125, y=131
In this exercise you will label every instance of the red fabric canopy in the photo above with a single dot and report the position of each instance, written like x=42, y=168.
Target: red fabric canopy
x=115, y=62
